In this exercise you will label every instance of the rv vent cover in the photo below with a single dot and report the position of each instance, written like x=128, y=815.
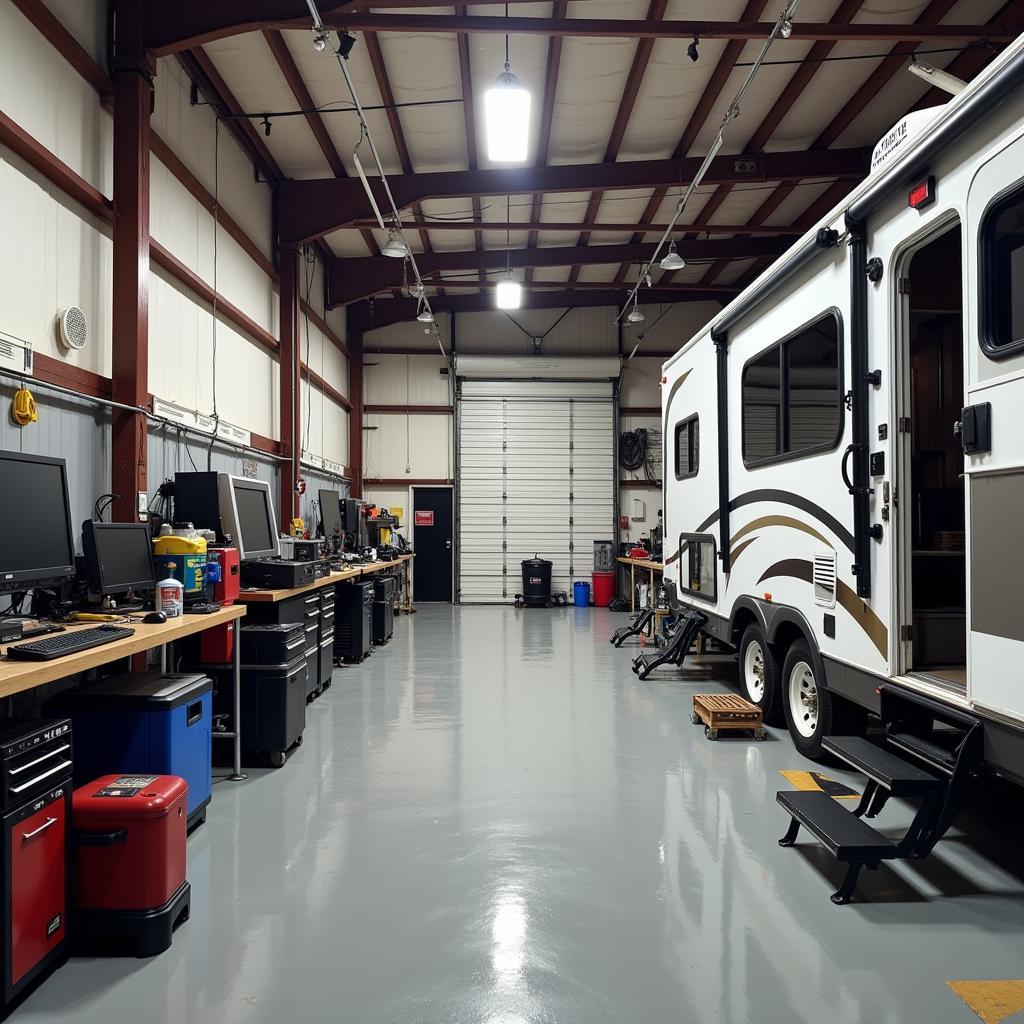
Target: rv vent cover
x=73, y=328
x=825, y=579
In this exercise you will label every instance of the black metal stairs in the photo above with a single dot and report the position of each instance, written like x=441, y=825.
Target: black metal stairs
x=640, y=623
x=676, y=647
x=945, y=747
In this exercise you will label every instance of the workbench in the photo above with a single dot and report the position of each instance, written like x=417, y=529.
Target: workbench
x=18, y=676
x=257, y=596
x=648, y=565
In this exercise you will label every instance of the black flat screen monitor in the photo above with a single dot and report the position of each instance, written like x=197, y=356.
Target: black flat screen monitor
x=37, y=546
x=118, y=557
x=330, y=514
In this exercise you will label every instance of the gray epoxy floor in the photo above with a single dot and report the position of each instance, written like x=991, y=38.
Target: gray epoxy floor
x=493, y=822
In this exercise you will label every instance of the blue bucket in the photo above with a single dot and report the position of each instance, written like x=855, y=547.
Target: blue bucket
x=581, y=594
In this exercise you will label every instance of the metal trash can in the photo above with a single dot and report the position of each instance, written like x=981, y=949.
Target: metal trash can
x=536, y=582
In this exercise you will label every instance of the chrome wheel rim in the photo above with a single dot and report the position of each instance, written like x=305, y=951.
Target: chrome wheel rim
x=803, y=699
x=753, y=671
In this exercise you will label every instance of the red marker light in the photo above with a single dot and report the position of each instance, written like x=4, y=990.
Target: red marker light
x=922, y=194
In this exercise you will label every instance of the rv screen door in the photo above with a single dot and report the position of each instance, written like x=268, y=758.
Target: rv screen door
x=992, y=432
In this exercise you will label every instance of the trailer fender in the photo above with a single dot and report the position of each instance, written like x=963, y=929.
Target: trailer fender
x=781, y=624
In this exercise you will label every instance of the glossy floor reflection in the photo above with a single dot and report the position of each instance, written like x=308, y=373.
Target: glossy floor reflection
x=493, y=822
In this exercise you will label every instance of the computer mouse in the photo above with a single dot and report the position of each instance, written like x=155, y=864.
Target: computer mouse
x=155, y=618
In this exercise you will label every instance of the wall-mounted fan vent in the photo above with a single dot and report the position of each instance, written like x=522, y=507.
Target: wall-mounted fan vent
x=73, y=328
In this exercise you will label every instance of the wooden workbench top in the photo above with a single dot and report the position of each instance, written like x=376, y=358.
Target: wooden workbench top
x=16, y=676
x=642, y=563
x=357, y=570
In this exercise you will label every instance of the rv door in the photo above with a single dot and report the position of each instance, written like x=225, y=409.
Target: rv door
x=992, y=432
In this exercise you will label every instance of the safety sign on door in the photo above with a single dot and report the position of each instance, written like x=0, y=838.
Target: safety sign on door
x=424, y=518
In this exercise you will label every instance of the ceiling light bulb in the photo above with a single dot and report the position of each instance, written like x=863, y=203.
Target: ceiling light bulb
x=425, y=316
x=635, y=316
x=394, y=246
x=672, y=260
x=508, y=294
x=320, y=42
x=786, y=28
x=507, y=119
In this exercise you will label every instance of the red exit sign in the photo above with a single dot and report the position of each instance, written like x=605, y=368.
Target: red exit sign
x=424, y=518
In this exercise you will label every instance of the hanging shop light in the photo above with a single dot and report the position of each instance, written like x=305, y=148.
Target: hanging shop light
x=635, y=316
x=425, y=316
x=508, y=294
x=507, y=117
x=395, y=246
x=672, y=260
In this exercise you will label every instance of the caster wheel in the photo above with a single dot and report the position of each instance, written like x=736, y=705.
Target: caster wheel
x=695, y=719
x=277, y=759
x=712, y=734
x=760, y=734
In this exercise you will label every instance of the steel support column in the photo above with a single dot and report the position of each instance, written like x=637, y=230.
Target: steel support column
x=290, y=383
x=133, y=96
x=355, y=416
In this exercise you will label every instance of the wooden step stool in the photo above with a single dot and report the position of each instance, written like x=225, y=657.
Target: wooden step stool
x=726, y=711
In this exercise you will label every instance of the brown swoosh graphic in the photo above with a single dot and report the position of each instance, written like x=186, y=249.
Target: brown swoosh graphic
x=793, y=524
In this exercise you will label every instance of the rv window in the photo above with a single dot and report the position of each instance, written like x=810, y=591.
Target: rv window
x=687, y=448
x=791, y=395
x=1003, y=275
x=697, y=553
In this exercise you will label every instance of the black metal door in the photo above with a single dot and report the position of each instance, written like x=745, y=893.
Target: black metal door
x=432, y=541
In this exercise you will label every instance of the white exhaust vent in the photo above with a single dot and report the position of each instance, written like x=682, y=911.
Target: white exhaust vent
x=825, y=579
x=73, y=328
x=15, y=354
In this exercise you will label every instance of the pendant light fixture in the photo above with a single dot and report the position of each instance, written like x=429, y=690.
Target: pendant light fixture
x=507, y=116
x=425, y=316
x=635, y=316
x=394, y=247
x=672, y=260
x=508, y=293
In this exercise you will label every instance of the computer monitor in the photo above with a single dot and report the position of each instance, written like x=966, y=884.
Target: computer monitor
x=247, y=516
x=330, y=514
x=353, y=514
x=118, y=557
x=37, y=546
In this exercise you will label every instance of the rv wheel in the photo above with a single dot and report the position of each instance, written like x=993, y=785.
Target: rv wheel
x=759, y=674
x=810, y=709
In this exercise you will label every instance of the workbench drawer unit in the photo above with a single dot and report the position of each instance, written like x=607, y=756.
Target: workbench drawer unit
x=353, y=622
x=271, y=643
x=327, y=619
x=304, y=609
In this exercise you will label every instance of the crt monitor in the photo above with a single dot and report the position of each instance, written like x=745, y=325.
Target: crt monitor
x=37, y=546
x=118, y=557
x=247, y=515
x=330, y=514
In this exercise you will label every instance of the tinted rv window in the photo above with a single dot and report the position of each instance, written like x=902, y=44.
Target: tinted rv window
x=1003, y=275
x=791, y=395
x=697, y=558
x=687, y=448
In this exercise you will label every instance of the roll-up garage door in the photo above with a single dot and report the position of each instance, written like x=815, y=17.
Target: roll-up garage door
x=536, y=477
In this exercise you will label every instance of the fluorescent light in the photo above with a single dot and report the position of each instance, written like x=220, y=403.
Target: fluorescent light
x=672, y=260
x=940, y=79
x=394, y=246
x=507, y=119
x=508, y=294
x=367, y=189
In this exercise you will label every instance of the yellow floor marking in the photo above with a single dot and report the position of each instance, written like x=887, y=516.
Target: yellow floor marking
x=992, y=1001
x=819, y=783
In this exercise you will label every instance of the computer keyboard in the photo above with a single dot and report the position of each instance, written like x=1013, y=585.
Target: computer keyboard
x=68, y=643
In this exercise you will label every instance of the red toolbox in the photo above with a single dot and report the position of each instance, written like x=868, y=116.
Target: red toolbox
x=129, y=862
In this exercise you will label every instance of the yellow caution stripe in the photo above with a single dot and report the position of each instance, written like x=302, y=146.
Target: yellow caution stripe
x=992, y=1001
x=820, y=783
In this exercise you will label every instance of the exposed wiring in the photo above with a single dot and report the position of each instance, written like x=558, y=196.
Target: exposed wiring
x=980, y=44
x=103, y=502
x=216, y=233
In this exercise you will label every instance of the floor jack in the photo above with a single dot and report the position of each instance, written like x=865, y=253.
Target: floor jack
x=640, y=623
x=677, y=647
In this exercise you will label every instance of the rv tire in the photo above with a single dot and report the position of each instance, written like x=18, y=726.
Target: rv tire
x=810, y=709
x=759, y=674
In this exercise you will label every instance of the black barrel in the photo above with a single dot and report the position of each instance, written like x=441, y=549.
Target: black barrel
x=536, y=582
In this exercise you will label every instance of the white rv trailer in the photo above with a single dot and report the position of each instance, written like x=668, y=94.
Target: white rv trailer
x=844, y=444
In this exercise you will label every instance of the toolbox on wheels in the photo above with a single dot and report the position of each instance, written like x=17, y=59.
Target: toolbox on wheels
x=138, y=722
x=128, y=844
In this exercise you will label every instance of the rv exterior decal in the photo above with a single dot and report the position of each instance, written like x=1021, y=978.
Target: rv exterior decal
x=801, y=569
x=783, y=498
x=665, y=432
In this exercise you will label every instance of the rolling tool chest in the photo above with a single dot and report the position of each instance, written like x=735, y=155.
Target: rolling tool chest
x=129, y=862
x=35, y=799
x=302, y=608
x=384, y=591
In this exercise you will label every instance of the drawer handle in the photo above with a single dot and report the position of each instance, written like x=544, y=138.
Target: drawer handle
x=39, y=760
x=39, y=778
x=25, y=836
x=193, y=713
x=84, y=838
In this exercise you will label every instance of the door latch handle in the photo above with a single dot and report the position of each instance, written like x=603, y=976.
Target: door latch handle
x=448, y=544
x=42, y=828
